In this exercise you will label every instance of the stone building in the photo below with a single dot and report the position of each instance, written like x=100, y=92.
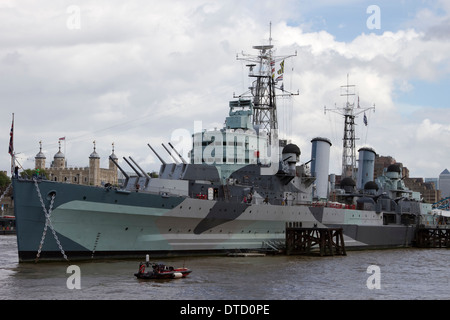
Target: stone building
x=428, y=190
x=91, y=175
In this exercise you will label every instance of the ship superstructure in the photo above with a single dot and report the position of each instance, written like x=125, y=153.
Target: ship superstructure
x=379, y=212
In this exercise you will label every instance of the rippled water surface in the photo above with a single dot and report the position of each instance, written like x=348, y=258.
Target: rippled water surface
x=403, y=274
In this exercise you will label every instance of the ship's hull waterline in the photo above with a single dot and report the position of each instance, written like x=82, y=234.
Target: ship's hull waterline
x=93, y=222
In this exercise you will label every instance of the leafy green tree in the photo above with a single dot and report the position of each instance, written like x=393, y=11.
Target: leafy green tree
x=153, y=174
x=4, y=180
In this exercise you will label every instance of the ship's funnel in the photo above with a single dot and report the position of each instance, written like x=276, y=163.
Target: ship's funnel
x=366, y=165
x=320, y=166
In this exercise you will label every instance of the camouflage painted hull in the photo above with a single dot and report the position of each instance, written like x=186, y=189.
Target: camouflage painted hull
x=93, y=222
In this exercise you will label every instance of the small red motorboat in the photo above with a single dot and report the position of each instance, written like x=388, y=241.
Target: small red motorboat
x=160, y=271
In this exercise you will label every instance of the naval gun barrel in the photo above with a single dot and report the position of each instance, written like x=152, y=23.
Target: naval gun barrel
x=127, y=177
x=146, y=176
x=131, y=166
x=160, y=159
x=175, y=159
x=143, y=172
x=178, y=154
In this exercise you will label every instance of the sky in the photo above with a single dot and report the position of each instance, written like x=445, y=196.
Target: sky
x=139, y=72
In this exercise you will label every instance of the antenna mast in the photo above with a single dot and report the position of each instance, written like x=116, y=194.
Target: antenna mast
x=349, y=113
x=262, y=89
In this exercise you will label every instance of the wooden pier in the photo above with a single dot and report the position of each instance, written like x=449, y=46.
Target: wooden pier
x=433, y=238
x=309, y=241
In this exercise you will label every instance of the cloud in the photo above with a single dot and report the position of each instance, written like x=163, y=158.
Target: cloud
x=137, y=71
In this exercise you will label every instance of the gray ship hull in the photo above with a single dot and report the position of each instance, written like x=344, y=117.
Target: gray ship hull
x=365, y=229
x=93, y=222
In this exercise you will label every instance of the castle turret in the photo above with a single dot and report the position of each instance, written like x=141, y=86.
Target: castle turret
x=94, y=168
x=114, y=179
x=59, y=159
x=112, y=166
x=39, y=159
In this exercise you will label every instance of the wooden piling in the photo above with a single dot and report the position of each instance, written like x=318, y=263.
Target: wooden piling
x=432, y=238
x=322, y=241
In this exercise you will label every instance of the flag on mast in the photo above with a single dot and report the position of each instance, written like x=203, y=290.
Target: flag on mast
x=11, y=146
x=280, y=72
x=11, y=138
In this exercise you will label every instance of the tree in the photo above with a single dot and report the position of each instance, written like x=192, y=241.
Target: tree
x=4, y=180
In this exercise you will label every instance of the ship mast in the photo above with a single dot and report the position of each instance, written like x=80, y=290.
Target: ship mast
x=349, y=113
x=269, y=73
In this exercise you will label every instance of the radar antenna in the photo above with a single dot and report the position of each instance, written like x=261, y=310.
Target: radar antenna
x=349, y=113
x=268, y=74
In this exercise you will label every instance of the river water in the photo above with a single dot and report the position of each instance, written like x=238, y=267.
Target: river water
x=396, y=274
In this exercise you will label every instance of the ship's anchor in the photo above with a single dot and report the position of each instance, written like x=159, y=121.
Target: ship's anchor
x=48, y=223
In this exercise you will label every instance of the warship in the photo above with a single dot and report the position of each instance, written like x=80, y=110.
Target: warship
x=240, y=188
